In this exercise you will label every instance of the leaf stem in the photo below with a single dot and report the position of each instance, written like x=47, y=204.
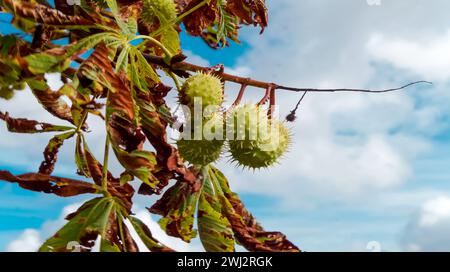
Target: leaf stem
x=175, y=80
x=105, y=167
x=82, y=121
x=156, y=42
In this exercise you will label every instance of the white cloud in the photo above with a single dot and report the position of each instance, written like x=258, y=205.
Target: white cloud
x=434, y=211
x=429, y=59
x=428, y=227
x=28, y=241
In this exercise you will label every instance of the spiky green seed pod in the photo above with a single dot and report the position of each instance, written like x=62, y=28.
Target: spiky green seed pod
x=256, y=142
x=202, y=86
x=247, y=123
x=200, y=152
x=161, y=11
x=204, y=143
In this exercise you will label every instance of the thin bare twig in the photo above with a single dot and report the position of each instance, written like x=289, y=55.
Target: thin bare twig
x=352, y=90
x=182, y=67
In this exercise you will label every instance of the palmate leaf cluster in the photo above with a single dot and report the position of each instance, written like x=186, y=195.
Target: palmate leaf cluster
x=101, y=50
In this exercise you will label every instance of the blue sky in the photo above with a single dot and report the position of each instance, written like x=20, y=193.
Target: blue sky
x=362, y=167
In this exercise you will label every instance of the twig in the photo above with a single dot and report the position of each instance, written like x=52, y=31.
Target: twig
x=266, y=97
x=105, y=167
x=239, y=97
x=352, y=90
x=272, y=103
x=185, y=66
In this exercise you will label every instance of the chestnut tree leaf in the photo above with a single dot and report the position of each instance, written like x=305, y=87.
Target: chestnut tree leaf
x=177, y=206
x=51, y=152
x=146, y=236
x=22, y=125
x=64, y=187
x=43, y=14
x=214, y=229
x=95, y=217
x=49, y=99
x=246, y=230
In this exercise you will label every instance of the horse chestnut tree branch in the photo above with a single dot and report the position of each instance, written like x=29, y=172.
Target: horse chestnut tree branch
x=109, y=53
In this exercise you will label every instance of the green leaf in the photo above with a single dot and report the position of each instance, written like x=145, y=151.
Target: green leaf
x=10, y=45
x=140, y=71
x=133, y=70
x=42, y=63
x=214, y=228
x=90, y=42
x=146, y=236
x=80, y=156
x=122, y=59
x=129, y=28
x=171, y=40
x=95, y=217
x=148, y=73
x=10, y=72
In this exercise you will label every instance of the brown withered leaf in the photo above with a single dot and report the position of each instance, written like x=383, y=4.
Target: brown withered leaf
x=216, y=22
x=96, y=69
x=50, y=100
x=177, y=206
x=246, y=230
x=41, y=37
x=22, y=125
x=155, y=117
x=43, y=14
x=90, y=10
x=249, y=11
x=200, y=19
x=51, y=152
x=127, y=138
x=64, y=187
x=64, y=7
x=154, y=128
